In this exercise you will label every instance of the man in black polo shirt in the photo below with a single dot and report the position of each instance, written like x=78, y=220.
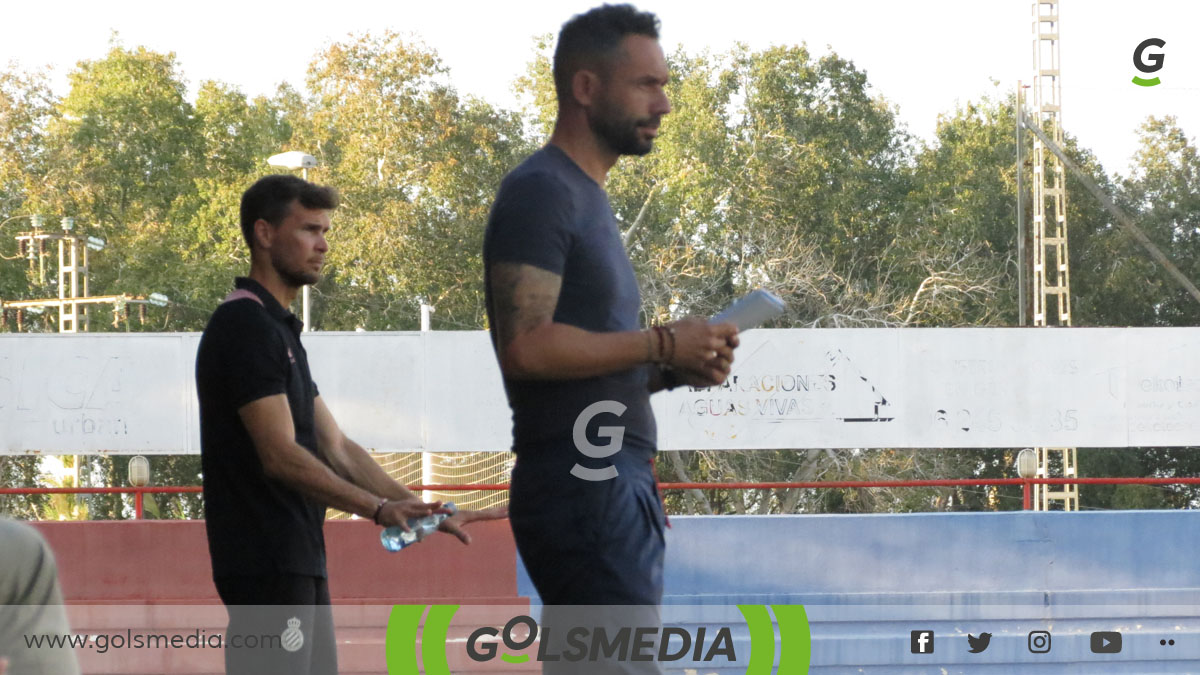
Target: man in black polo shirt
x=273, y=457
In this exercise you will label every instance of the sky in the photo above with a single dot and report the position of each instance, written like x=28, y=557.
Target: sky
x=926, y=57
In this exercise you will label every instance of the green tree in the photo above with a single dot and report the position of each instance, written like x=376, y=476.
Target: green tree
x=26, y=109
x=125, y=140
x=957, y=239
x=123, y=149
x=194, y=253
x=417, y=167
x=21, y=472
x=1164, y=197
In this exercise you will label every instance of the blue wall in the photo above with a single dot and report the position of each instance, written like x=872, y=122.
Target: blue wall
x=867, y=581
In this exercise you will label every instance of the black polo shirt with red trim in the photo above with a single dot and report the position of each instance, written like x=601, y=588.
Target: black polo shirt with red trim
x=256, y=525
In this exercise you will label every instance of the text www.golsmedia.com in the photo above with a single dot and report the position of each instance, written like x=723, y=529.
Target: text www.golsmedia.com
x=199, y=639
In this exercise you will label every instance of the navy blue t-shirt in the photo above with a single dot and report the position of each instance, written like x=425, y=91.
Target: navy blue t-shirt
x=550, y=214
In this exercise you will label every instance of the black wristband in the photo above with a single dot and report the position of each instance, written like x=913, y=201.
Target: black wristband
x=379, y=509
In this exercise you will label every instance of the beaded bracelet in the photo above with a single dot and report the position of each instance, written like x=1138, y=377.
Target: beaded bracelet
x=379, y=510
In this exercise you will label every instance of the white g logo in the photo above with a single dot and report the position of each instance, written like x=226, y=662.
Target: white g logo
x=615, y=435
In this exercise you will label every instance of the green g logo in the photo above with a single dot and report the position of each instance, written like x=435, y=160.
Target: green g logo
x=1148, y=64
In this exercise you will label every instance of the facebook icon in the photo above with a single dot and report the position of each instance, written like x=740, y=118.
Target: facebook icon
x=921, y=642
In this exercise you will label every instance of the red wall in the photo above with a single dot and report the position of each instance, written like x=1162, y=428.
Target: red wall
x=166, y=562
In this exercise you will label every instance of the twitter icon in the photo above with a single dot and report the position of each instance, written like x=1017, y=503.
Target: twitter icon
x=980, y=643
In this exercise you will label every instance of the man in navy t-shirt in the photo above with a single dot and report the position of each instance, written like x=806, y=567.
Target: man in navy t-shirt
x=563, y=305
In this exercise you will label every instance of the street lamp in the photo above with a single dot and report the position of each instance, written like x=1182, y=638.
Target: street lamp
x=139, y=477
x=1027, y=469
x=293, y=160
x=297, y=160
x=139, y=471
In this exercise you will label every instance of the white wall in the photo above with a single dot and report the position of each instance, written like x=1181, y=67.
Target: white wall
x=441, y=391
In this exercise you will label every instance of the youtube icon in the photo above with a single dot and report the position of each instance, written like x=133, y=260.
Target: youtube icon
x=1106, y=642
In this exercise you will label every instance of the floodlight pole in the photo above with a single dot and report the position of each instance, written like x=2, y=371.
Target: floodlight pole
x=304, y=297
x=1021, y=293
x=297, y=160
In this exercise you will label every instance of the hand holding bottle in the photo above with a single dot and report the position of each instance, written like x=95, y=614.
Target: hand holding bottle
x=395, y=538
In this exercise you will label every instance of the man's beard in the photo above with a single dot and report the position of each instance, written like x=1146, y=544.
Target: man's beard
x=294, y=277
x=621, y=133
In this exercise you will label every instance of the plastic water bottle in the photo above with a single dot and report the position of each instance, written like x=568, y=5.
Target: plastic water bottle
x=394, y=538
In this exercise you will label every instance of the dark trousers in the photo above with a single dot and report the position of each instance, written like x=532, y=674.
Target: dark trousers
x=278, y=624
x=584, y=542
x=593, y=549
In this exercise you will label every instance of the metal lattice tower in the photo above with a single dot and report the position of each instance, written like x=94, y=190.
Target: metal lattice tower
x=1051, y=273
x=74, y=297
x=70, y=269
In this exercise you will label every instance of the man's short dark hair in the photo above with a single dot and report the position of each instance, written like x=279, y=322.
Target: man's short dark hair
x=271, y=197
x=591, y=39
